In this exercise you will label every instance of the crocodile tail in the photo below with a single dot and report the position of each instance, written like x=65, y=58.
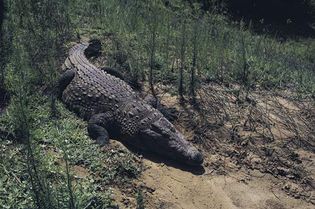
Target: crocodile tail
x=76, y=47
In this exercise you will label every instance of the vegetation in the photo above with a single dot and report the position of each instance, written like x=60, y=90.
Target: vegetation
x=60, y=148
x=180, y=44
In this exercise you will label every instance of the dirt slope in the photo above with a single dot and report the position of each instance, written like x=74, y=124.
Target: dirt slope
x=178, y=189
x=259, y=154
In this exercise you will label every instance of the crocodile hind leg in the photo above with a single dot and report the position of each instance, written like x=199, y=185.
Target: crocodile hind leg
x=113, y=72
x=170, y=113
x=151, y=100
x=64, y=81
x=135, y=85
x=98, y=126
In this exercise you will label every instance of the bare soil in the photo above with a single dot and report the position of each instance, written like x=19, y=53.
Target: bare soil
x=174, y=188
x=258, y=147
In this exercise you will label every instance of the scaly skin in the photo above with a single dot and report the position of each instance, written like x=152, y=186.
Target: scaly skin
x=114, y=110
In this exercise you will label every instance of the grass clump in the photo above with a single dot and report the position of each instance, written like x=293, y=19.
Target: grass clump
x=71, y=166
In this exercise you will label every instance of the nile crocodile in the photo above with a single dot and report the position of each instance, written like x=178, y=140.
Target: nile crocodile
x=114, y=110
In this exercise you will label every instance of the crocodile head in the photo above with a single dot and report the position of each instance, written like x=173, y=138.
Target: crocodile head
x=162, y=138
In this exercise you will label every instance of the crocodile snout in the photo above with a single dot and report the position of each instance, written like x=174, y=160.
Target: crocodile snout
x=163, y=139
x=196, y=159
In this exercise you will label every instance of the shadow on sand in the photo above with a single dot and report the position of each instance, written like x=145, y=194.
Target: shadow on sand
x=196, y=170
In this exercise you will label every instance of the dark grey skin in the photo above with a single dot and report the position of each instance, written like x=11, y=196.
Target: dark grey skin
x=114, y=110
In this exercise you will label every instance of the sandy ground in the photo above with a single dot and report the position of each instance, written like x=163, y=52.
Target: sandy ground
x=166, y=185
x=177, y=189
x=250, y=186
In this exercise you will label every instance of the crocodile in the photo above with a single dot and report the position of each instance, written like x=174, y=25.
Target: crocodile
x=114, y=110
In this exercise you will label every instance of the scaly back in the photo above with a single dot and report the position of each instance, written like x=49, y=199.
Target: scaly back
x=93, y=90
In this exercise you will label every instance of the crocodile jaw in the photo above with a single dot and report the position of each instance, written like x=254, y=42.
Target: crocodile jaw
x=162, y=138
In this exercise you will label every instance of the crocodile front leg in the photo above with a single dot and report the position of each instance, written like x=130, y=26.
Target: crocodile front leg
x=64, y=81
x=98, y=127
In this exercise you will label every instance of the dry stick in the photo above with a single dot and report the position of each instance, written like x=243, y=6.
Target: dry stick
x=182, y=61
x=194, y=63
x=274, y=194
x=13, y=174
x=213, y=100
x=290, y=121
x=152, y=56
x=69, y=184
x=267, y=121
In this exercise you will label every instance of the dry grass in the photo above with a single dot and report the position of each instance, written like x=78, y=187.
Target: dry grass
x=267, y=131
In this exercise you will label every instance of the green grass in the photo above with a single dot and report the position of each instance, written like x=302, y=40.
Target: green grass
x=53, y=142
x=220, y=45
